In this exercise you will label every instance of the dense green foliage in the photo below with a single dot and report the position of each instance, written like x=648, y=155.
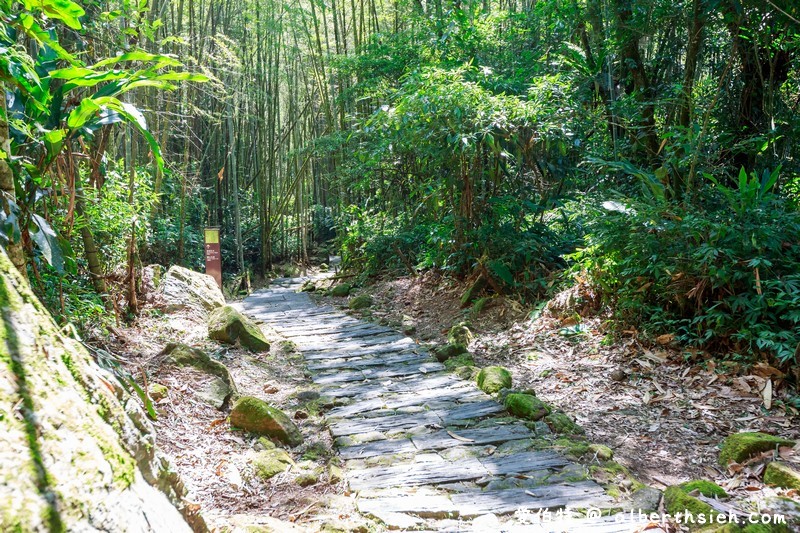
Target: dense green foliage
x=645, y=145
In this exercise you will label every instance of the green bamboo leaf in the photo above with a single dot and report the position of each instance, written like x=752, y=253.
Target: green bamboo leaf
x=140, y=55
x=71, y=73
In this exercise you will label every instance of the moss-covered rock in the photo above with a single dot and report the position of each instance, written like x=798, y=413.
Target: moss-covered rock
x=448, y=351
x=308, y=477
x=468, y=372
x=257, y=416
x=335, y=474
x=270, y=463
x=526, y=406
x=77, y=453
x=183, y=355
x=782, y=475
x=408, y=325
x=308, y=285
x=601, y=451
x=157, y=391
x=559, y=422
x=473, y=291
x=740, y=446
x=228, y=325
x=341, y=290
x=708, y=489
x=493, y=378
x=678, y=503
x=360, y=302
x=460, y=335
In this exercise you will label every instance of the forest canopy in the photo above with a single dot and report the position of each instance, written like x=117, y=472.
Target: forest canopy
x=645, y=148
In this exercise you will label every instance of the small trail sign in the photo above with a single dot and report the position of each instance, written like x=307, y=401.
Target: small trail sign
x=213, y=257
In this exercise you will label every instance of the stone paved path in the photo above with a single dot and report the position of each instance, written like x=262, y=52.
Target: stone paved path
x=422, y=448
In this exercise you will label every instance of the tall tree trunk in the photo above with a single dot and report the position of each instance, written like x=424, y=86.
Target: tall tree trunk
x=645, y=135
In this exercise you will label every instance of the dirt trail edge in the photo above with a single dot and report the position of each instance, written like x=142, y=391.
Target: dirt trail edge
x=422, y=448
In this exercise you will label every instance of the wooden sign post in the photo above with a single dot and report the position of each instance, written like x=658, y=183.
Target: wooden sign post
x=213, y=257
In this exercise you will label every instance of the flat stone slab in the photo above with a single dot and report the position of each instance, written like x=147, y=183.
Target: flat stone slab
x=467, y=468
x=473, y=503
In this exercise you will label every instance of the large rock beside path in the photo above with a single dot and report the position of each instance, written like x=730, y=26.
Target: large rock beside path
x=183, y=288
x=226, y=324
x=76, y=452
x=257, y=416
x=219, y=389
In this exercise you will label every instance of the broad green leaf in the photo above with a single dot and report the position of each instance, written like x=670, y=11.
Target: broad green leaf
x=54, y=141
x=500, y=270
x=47, y=242
x=66, y=11
x=81, y=114
x=36, y=32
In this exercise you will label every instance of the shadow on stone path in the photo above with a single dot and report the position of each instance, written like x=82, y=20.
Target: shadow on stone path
x=424, y=449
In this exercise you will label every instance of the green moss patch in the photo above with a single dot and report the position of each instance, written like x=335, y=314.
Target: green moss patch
x=706, y=488
x=782, y=475
x=460, y=335
x=270, y=463
x=447, y=352
x=360, y=302
x=226, y=324
x=739, y=447
x=255, y=415
x=493, y=378
x=463, y=359
x=559, y=422
x=526, y=406
x=341, y=290
x=678, y=503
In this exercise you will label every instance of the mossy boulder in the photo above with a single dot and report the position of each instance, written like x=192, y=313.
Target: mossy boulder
x=473, y=291
x=360, y=302
x=271, y=462
x=709, y=489
x=308, y=285
x=308, y=477
x=183, y=288
x=493, y=378
x=740, y=446
x=408, y=325
x=448, y=351
x=782, y=475
x=335, y=474
x=157, y=391
x=678, y=502
x=340, y=290
x=601, y=451
x=228, y=325
x=468, y=372
x=257, y=416
x=559, y=422
x=77, y=453
x=460, y=335
x=526, y=406
x=218, y=392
